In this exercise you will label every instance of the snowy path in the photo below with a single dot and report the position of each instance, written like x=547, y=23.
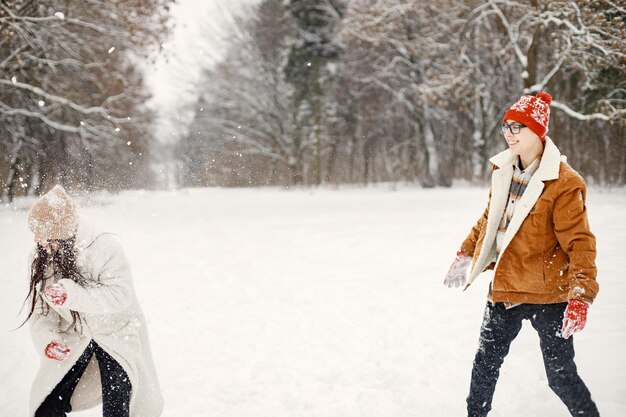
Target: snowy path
x=272, y=303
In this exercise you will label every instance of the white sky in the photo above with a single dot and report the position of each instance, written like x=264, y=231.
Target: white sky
x=198, y=29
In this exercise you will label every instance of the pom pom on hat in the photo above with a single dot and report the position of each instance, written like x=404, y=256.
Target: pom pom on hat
x=533, y=112
x=543, y=96
x=54, y=215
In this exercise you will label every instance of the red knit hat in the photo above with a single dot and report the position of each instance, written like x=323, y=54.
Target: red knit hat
x=533, y=112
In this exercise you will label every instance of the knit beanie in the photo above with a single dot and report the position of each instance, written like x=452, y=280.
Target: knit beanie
x=533, y=112
x=53, y=216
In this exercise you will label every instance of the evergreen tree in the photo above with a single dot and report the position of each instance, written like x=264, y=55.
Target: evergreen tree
x=313, y=48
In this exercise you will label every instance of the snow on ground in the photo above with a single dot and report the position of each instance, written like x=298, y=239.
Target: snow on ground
x=329, y=303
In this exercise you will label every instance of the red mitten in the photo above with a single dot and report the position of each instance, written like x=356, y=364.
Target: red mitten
x=456, y=275
x=57, y=350
x=575, y=318
x=56, y=294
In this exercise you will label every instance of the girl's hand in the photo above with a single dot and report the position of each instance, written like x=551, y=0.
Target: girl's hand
x=57, y=350
x=56, y=293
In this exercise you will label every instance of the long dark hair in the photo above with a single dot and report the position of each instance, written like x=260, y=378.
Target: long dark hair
x=62, y=260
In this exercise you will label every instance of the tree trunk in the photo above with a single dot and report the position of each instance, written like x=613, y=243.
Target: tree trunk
x=35, y=179
x=477, y=143
x=332, y=160
x=530, y=77
x=317, y=120
x=351, y=152
x=8, y=193
x=433, y=176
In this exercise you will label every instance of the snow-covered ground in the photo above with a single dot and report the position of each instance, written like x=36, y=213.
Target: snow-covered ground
x=329, y=303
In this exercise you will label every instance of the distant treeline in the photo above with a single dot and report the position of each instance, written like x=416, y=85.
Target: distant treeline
x=335, y=91
x=309, y=92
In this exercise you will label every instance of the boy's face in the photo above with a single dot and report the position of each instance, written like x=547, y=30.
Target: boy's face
x=523, y=142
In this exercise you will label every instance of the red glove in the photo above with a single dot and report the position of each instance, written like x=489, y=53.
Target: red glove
x=56, y=294
x=575, y=318
x=456, y=275
x=57, y=350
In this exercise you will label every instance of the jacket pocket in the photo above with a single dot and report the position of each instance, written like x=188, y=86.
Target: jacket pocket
x=538, y=218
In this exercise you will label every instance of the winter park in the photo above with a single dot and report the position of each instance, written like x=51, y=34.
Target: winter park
x=316, y=208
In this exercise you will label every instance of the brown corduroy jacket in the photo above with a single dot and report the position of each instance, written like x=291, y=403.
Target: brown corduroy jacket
x=548, y=254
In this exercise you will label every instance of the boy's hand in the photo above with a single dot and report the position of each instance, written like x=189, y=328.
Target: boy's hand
x=457, y=272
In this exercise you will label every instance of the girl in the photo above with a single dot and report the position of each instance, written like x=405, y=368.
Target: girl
x=534, y=234
x=86, y=323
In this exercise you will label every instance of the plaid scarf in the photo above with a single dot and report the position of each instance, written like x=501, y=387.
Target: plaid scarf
x=519, y=182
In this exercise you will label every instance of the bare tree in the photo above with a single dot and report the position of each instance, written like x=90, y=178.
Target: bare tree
x=417, y=93
x=249, y=107
x=71, y=96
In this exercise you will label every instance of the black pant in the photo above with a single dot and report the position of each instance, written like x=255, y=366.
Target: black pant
x=116, y=386
x=500, y=326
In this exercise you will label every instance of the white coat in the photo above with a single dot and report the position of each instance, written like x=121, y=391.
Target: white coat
x=110, y=315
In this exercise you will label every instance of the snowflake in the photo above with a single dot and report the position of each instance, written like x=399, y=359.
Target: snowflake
x=539, y=116
x=522, y=104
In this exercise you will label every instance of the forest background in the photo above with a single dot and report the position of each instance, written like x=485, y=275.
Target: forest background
x=301, y=92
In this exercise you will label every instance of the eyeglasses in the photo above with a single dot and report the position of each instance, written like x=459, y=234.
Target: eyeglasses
x=514, y=128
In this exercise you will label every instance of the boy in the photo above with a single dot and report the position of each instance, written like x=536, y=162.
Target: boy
x=535, y=235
